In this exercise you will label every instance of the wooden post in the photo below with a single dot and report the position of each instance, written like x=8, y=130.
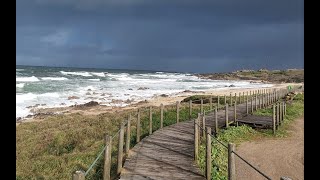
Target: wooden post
x=128, y=135
x=239, y=97
x=247, y=104
x=196, y=138
x=78, y=175
x=120, y=148
x=274, y=119
x=251, y=104
x=226, y=114
x=235, y=113
x=178, y=111
x=218, y=103
x=285, y=108
x=210, y=99
x=256, y=105
x=203, y=118
x=161, y=116
x=138, y=126
x=150, y=120
x=190, y=109
x=201, y=106
x=208, y=154
x=235, y=97
x=280, y=114
x=107, y=157
x=259, y=101
x=216, y=119
x=230, y=99
x=231, y=162
x=225, y=99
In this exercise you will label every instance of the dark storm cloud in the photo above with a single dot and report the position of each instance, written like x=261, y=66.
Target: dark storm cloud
x=176, y=35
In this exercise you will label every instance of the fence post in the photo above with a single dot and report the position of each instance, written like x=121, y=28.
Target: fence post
x=203, y=118
x=120, y=148
x=274, y=119
x=235, y=113
x=201, y=106
x=225, y=99
x=255, y=103
x=218, y=103
x=235, y=97
x=150, y=120
x=208, y=154
x=196, y=139
x=128, y=135
x=138, y=126
x=259, y=101
x=239, y=97
x=210, y=99
x=78, y=175
x=231, y=162
x=177, y=104
x=251, y=104
x=230, y=99
x=161, y=115
x=278, y=114
x=247, y=104
x=190, y=109
x=226, y=111
x=107, y=158
x=216, y=120
x=285, y=108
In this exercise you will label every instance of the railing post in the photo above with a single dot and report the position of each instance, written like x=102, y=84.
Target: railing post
x=216, y=120
x=208, y=154
x=177, y=107
x=138, y=126
x=203, y=118
x=218, y=103
x=78, y=175
x=190, y=109
x=285, y=108
x=280, y=110
x=201, y=106
x=235, y=113
x=255, y=103
x=259, y=101
x=128, y=135
x=235, y=97
x=107, y=158
x=150, y=120
x=278, y=114
x=225, y=99
x=230, y=99
x=161, y=115
x=251, y=104
x=247, y=104
x=231, y=162
x=210, y=100
x=120, y=148
x=196, y=139
x=274, y=119
x=226, y=114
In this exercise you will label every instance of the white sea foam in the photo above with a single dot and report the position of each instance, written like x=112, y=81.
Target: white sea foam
x=27, y=79
x=94, y=79
x=20, y=85
x=85, y=74
x=54, y=78
x=99, y=74
x=19, y=69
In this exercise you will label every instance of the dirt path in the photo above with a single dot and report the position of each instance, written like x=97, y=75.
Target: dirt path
x=274, y=157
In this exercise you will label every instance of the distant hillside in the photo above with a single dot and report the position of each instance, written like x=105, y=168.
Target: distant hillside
x=275, y=76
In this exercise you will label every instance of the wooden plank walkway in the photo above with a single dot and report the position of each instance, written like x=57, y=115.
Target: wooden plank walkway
x=168, y=152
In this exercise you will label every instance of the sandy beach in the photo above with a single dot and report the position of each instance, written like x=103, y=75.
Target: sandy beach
x=156, y=101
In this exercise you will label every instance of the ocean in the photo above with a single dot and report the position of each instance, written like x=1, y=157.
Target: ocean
x=46, y=87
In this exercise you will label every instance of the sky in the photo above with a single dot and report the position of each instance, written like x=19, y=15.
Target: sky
x=169, y=35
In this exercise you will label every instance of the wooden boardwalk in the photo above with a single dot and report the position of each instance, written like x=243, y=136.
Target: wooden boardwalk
x=168, y=152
